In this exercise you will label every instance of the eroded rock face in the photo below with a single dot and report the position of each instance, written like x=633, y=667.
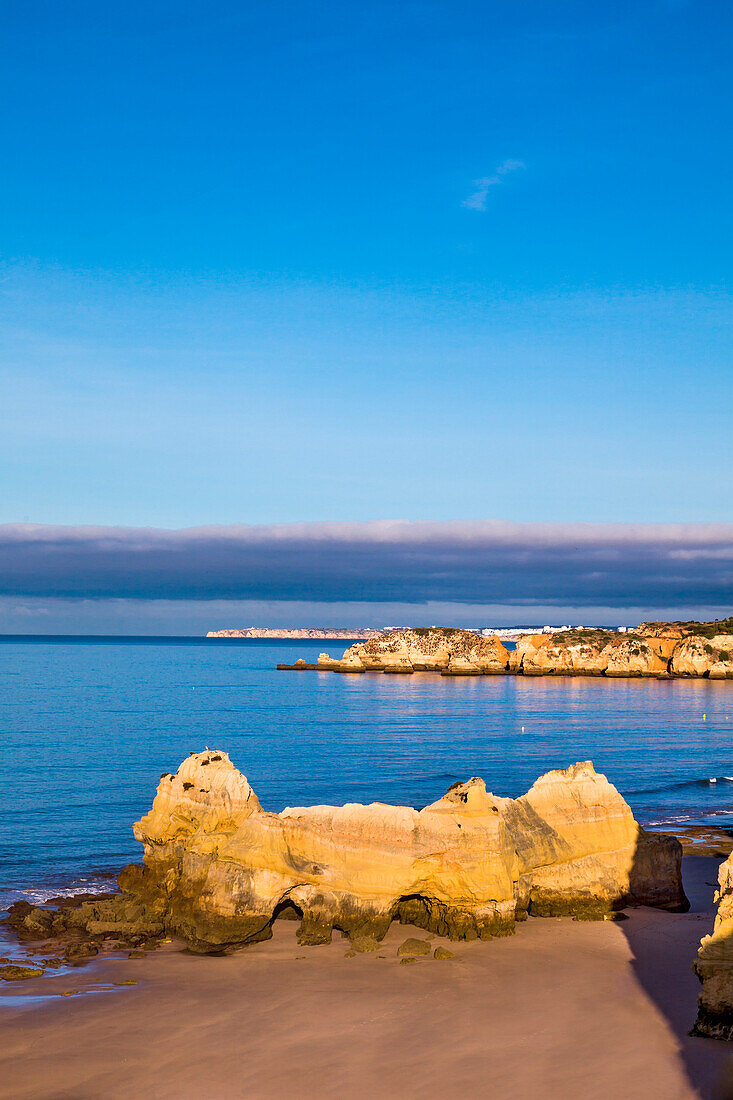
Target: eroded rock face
x=556, y=658
x=591, y=653
x=491, y=657
x=527, y=647
x=633, y=656
x=714, y=965
x=701, y=656
x=218, y=869
x=433, y=649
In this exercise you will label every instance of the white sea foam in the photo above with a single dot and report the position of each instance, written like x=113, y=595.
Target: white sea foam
x=38, y=895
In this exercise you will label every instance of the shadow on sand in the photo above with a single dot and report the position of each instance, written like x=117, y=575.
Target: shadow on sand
x=664, y=947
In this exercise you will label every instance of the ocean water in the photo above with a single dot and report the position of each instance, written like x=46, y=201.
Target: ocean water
x=86, y=728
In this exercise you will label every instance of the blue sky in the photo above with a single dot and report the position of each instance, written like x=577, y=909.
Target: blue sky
x=278, y=262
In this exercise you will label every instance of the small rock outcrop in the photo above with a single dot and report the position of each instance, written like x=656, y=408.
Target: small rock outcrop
x=714, y=965
x=414, y=947
x=12, y=973
x=218, y=869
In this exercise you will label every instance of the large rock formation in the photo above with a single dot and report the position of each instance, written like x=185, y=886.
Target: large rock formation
x=556, y=655
x=218, y=869
x=714, y=965
x=591, y=653
x=654, y=650
x=527, y=646
x=432, y=649
x=634, y=656
x=606, y=653
x=697, y=655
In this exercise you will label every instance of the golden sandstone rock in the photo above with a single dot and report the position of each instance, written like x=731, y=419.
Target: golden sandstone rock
x=653, y=650
x=714, y=965
x=557, y=659
x=700, y=656
x=633, y=657
x=434, y=649
x=219, y=869
x=466, y=866
x=527, y=646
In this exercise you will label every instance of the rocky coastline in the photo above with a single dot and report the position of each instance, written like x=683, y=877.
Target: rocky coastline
x=218, y=870
x=653, y=650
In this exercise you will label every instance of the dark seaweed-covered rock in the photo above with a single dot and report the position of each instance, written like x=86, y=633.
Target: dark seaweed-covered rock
x=14, y=973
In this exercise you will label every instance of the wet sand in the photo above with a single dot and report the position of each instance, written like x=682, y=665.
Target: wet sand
x=561, y=1010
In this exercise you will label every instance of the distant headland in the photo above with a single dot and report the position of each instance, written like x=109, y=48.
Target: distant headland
x=315, y=632
x=338, y=633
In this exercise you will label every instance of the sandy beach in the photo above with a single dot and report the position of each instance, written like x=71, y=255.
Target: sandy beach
x=562, y=1009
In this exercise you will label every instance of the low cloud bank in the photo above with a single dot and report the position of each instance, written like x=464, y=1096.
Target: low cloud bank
x=515, y=564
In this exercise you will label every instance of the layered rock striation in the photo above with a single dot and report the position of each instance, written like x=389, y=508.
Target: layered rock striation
x=656, y=650
x=218, y=869
x=714, y=965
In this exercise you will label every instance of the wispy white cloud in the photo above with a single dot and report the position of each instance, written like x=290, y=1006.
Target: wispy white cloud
x=477, y=199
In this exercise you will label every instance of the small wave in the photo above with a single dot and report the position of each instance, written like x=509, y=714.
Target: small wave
x=101, y=882
x=685, y=784
x=671, y=820
x=679, y=819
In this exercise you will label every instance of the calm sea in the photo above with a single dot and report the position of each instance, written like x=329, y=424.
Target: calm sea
x=87, y=727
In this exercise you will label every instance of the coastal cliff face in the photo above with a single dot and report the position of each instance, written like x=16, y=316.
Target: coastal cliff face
x=550, y=655
x=714, y=965
x=218, y=869
x=700, y=656
x=433, y=649
x=591, y=653
x=656, y=650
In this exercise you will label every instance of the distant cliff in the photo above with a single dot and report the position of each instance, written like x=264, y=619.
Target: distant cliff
x=327, y=632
